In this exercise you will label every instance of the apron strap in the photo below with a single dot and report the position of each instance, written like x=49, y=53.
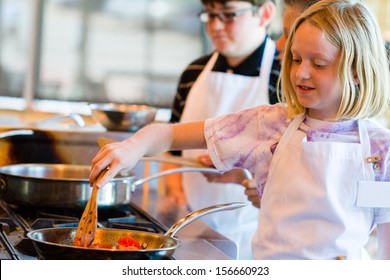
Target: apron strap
x=366, y=151
x=284, y=141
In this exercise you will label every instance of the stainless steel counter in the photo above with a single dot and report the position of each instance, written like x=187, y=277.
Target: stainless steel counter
x=199, y=241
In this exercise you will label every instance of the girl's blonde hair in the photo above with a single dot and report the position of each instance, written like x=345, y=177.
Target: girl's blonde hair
x=364, y=67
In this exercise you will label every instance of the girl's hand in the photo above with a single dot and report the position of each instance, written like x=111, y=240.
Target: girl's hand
x=151, y=140
x=116, y=156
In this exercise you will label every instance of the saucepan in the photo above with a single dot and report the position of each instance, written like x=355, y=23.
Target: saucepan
x=67, y=185
x=58, y=243
x=59, y=186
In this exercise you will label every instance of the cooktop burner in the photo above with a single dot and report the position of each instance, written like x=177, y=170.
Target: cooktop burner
x=16, y=221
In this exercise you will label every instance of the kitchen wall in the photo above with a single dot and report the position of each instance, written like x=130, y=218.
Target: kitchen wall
x=98, y=50
x=104, y=50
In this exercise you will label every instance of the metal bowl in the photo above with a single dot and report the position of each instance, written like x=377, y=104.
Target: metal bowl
x=122, y=117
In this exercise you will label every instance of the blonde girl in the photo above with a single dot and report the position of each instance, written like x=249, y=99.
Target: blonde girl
x=321, y=166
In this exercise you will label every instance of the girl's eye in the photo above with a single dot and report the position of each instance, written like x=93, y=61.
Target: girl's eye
x=319, y=65
x=296, y=60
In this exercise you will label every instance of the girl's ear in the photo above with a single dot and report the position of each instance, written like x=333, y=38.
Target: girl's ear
x=266, y=13
x=355, y=78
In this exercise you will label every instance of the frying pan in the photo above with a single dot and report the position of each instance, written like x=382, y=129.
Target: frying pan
x=58, y=243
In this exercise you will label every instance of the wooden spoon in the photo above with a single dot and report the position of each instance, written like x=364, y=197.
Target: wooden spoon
x=86, y=229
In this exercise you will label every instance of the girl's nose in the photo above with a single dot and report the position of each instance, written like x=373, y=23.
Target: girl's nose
x=302, y=72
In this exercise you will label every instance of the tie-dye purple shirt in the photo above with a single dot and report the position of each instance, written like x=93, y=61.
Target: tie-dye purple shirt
x=247, y=139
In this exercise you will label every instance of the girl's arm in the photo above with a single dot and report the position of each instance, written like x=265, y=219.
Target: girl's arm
x=151, y=140
x=383, y=235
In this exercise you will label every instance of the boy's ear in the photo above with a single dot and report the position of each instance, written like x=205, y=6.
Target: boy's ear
x=266, y=13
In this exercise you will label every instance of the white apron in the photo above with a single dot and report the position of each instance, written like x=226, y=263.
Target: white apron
x=310, y=199
x=214, y=94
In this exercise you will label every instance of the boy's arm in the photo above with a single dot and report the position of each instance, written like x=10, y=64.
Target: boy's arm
x=173, y=184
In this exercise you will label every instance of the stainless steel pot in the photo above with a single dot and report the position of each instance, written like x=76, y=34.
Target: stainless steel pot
x=59, y=185
x=67, y=185
x=57, y=243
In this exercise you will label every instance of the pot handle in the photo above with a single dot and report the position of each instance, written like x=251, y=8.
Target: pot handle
x=199, y=213
x=16, y=132
x=182, y=170
x=173, y=171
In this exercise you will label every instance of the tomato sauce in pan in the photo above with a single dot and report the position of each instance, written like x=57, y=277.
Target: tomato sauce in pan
x=126, y=243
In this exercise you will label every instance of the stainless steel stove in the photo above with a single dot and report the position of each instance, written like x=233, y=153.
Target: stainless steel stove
x=149, y=206
x=198, y=241
x=16, y=221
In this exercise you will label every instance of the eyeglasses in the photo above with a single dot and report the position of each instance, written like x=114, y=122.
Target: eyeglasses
x=225, y=17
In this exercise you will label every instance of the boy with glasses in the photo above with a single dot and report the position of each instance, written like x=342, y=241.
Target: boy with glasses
x=242, y=72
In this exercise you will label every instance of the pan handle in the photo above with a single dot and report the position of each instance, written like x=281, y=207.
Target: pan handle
x=173, y=171
x=16, y=132
x=182, y=170
x=199, y=213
